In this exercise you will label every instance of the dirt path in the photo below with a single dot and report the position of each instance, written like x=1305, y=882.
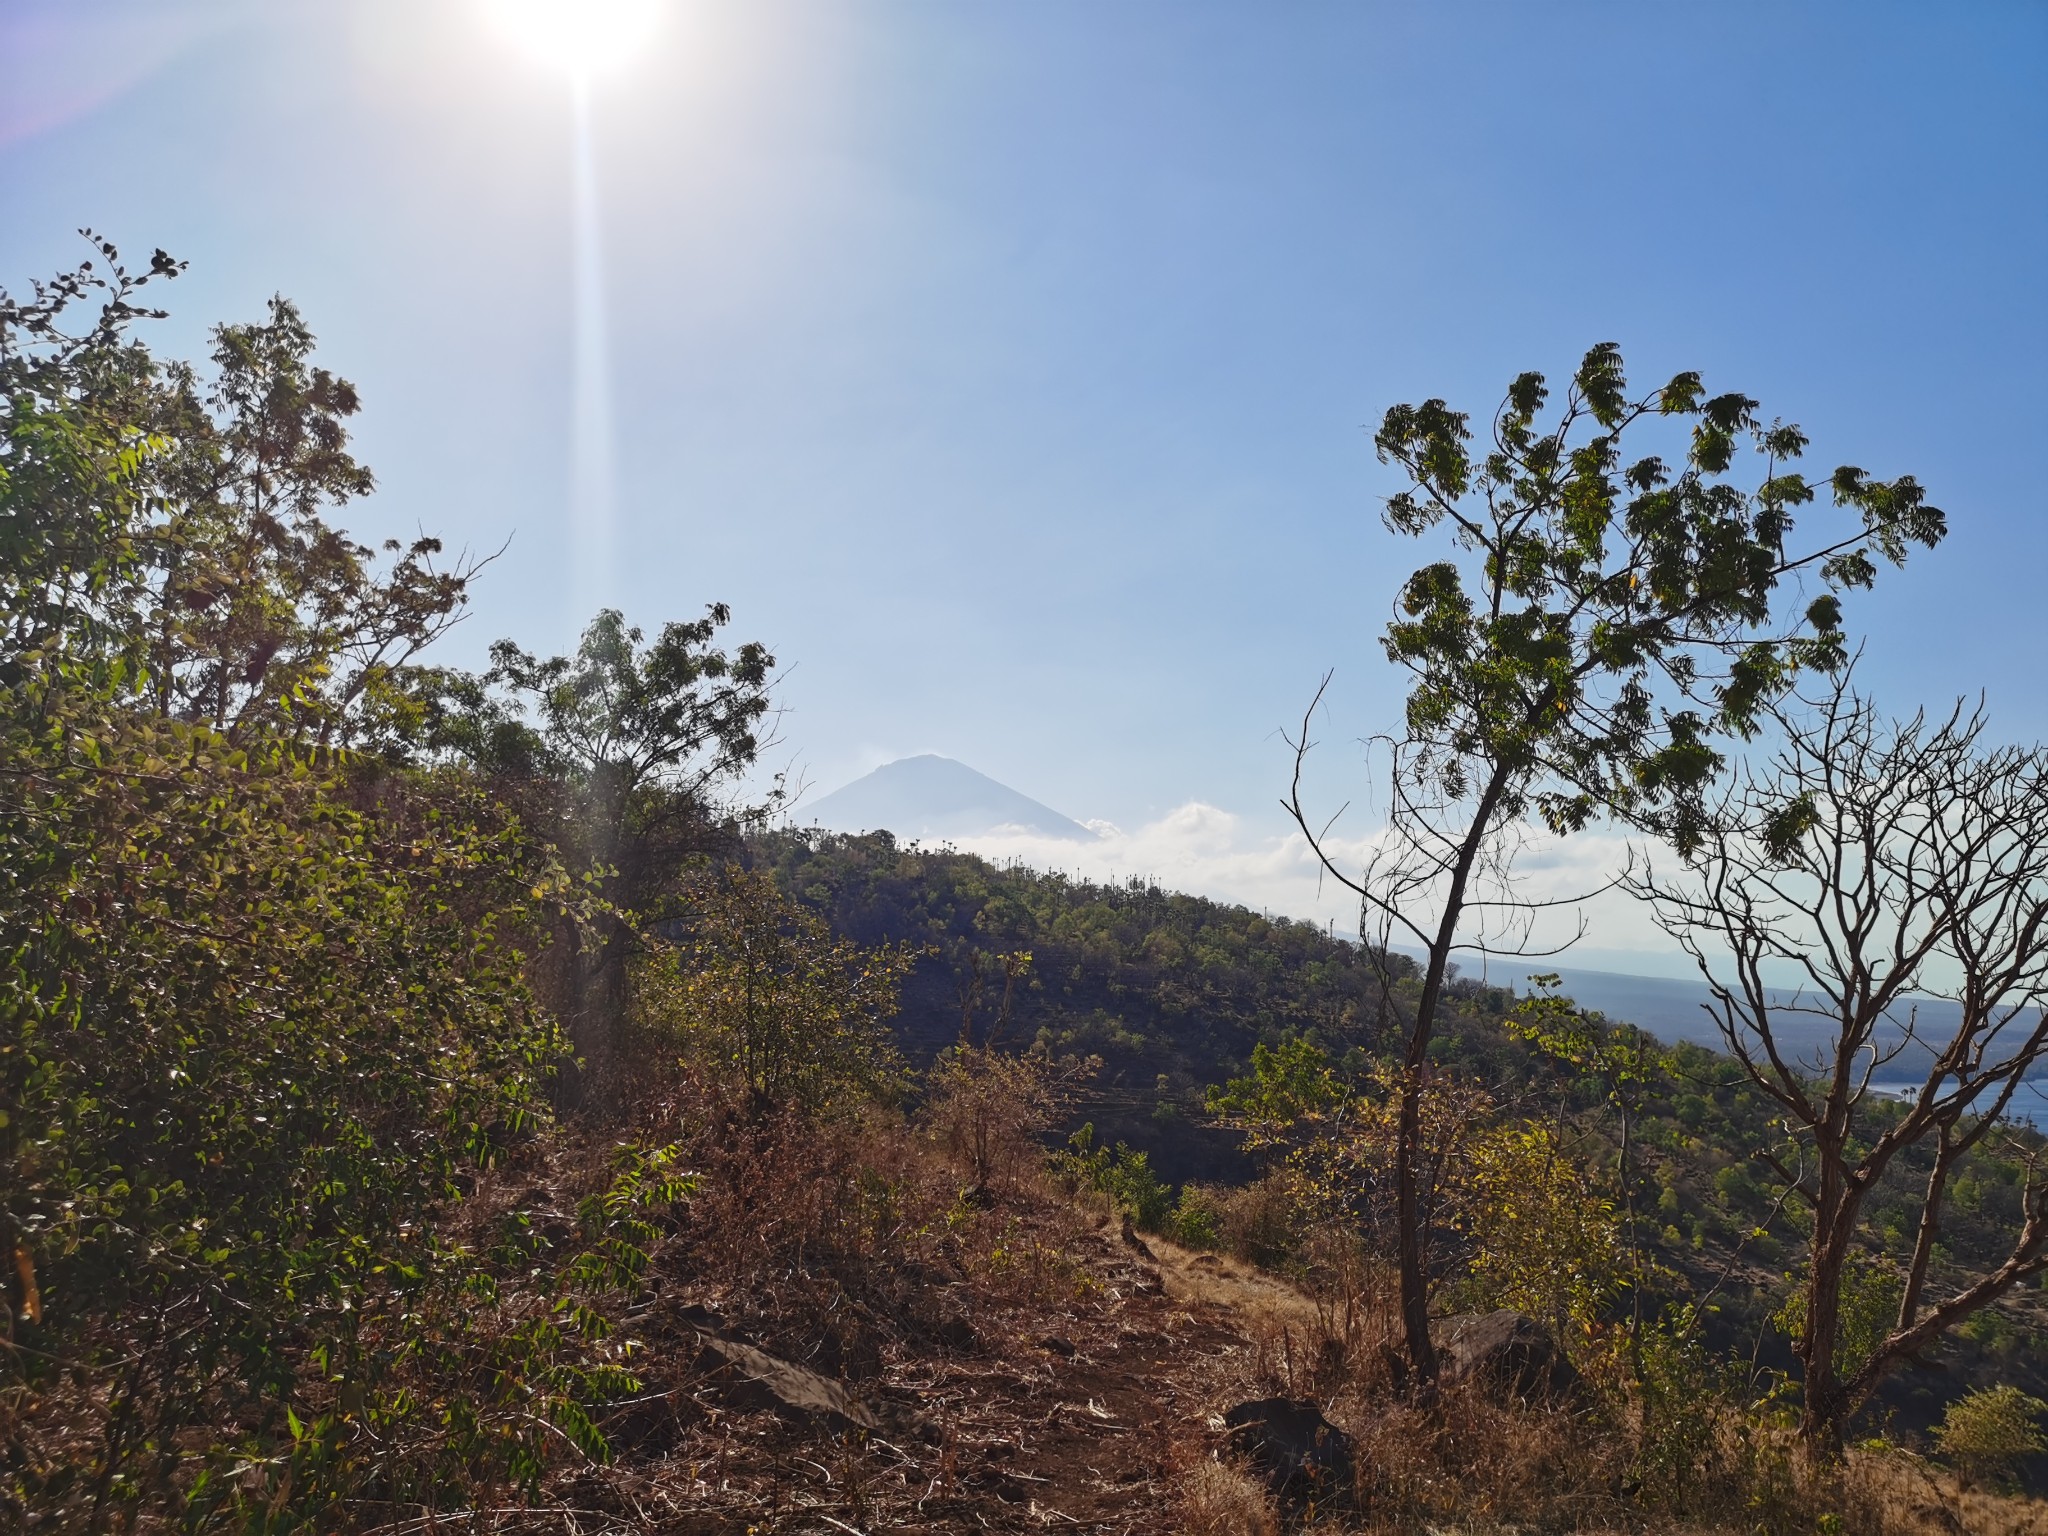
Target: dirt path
x=1196, y=1278
x=1073, y=1414
x=1087, y=1410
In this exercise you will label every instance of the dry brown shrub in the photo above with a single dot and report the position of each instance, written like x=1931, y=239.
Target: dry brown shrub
x=1212, y=1499
x=1465, y=1458
x=1256, y=1222
x=822, y=1235
x=989, y=1109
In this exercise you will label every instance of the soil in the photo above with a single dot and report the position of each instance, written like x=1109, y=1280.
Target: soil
x=1080, y=1401
x=1070, y=1416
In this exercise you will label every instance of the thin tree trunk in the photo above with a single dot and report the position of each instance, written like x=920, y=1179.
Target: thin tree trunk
x=1421, y=1347
x=1635, y=1244
x=1408, y=1233
x=1824, y=1405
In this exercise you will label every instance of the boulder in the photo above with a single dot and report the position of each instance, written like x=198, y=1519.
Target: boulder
x=1299, y=1453
x=749, y=1378
x=1509, y=1356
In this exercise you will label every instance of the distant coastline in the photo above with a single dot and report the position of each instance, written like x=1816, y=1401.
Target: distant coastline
x=1673, y=1010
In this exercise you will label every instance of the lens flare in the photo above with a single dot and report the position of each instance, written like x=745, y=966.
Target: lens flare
x=581, y=37
x=591, y=480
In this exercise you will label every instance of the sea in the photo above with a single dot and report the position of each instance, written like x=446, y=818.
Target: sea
x=1675, y=1010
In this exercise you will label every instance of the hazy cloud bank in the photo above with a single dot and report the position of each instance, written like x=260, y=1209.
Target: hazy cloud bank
x=1205, y=850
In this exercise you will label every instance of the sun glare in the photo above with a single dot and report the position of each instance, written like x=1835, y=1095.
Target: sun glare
x=580, y=37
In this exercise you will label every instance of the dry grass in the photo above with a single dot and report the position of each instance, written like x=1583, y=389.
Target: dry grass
x=1214, y=1499
x=1470, y=1467
x=1215, y=1279
x=1900, y=1493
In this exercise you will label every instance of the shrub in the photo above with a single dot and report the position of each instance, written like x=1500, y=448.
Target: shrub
x=1869, y=1300
x=1992, y=1431
x=1124, y=1175
x=255, y=1030
x=1195, y=1221
x=760, y=992
x=988, y=1108
x=1256, y=1222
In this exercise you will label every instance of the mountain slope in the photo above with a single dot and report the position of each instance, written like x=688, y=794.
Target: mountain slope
x=935, y=797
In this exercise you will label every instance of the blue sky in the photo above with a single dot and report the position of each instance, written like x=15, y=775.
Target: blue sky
x=1010, y=368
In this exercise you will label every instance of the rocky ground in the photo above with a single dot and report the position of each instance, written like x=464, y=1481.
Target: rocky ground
x=1055, y=1413
x=1037, y=1366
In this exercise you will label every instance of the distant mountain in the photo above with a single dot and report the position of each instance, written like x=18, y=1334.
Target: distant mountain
x=930, y=797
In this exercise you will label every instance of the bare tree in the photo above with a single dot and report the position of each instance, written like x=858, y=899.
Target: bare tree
x=1597, y=624
x=1877, y=865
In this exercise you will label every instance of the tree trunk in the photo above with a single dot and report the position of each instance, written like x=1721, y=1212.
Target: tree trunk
x=599, y=1021
x=1635, y=1243
x=1408, y=1230
x=1824, y=1405
x=581, y=978
x=1408, y=1136
x=596, y=975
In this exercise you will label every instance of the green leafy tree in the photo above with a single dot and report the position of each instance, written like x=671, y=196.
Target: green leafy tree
x=262, y=1013
x=761, y=991
x=178, y=526
x=1599, y=621
x=76, y=402
x=249, y=1031
x=262, y=613
x=1292, y=1088
x=627, y=750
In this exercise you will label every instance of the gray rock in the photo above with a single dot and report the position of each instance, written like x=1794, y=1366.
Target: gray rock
x=752, y=1378
x=1510, y=1356
x=1299, y=1453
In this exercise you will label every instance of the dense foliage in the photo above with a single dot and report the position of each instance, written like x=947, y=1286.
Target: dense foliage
x=265, y=1011
x=1599, y=621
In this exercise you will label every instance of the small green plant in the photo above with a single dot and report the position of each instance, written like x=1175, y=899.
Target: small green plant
x=1195, y=1221
x=1991, y=1431
x=1124, y=1175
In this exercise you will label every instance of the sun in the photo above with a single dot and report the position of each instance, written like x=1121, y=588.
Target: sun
x=579, y=37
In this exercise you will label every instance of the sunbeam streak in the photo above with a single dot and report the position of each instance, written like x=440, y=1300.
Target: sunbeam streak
x=591, y=443
x=585, y=39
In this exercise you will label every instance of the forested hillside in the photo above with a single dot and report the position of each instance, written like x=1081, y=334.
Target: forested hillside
x=1175, y=993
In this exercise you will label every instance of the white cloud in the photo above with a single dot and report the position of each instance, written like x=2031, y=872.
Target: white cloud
x=1208, y=851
